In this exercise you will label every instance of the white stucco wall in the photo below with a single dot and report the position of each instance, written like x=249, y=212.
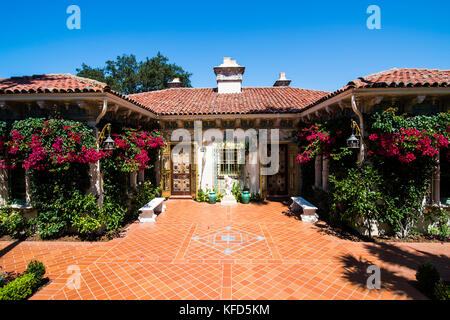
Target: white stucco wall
x=229, y=87
x=206, y=168
x=251, y=170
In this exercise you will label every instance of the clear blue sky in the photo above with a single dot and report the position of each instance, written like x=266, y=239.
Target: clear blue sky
x=319, y=44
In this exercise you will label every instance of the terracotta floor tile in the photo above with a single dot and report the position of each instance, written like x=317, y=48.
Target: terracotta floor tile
x=201, y=251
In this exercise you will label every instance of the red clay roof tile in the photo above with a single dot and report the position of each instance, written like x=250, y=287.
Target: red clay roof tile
x=207, y=101
x=188, y=101
x=56, y=83
x=396, y=78
x=50, y=83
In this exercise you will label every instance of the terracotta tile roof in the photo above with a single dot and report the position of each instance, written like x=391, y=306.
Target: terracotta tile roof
x=187, y=101
x=50, y=83
x=56, y=83
x=396, y=78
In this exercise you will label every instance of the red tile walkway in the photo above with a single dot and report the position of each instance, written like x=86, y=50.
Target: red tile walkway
x=202, y=251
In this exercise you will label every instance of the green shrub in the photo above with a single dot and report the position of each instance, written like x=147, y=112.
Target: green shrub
x=12, y=223
x=21, y=288
x=112, y=215
x=51, y=223
x=356, y=196
x=236, y=191
x=219, y=195
x=202, y=196
x=82, y=212
x=145, y=193
x=37, y=268
x=427, y=277
x=24, y=286
x=442, y=291
x=441, y=215
x=86, y=225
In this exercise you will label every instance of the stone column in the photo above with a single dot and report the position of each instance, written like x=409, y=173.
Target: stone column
x=141, y=176
x=318, y=171
x=3, y=186
x=133, y=180
x=436, y=183
x=157, y=169
x=96, y=181
x=325, y=172
x=27, y=187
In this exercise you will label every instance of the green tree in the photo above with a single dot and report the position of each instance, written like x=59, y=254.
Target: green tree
x=127, y=75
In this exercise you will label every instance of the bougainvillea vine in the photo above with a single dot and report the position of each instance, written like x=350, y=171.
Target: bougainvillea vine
x=39, y=144
x=132, y=148
x=313, y=140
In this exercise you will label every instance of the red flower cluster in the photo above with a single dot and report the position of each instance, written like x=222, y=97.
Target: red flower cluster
x=45, y=148
x=133, y=146
x=315, y=139
x=408, y=144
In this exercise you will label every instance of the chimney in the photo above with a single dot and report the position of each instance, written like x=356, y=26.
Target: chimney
x=282, y=82
x=229, y=76
x=175, y=83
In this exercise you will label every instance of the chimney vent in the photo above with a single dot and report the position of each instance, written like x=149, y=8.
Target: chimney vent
x=175, y=83
x=229, y=76
x=282, y=82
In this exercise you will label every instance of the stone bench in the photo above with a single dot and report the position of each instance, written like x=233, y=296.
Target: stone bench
x=309, y=210
x=150, y=211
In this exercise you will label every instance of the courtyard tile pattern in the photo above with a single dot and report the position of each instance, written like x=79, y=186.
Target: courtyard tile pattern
x=202, y=251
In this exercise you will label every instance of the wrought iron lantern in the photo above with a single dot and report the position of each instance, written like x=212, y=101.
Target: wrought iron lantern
x=354, y=141
x=108, y=143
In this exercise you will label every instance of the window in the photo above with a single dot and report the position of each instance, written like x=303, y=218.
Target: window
x=228, y=162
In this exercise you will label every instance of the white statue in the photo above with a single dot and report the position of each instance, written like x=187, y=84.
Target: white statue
x=228, y=185
x=228, y=199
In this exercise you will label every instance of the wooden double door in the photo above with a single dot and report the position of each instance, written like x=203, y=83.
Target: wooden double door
x=181, y=173
x=277, y=184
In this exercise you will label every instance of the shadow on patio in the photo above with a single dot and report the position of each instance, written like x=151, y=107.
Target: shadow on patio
x=397, y=265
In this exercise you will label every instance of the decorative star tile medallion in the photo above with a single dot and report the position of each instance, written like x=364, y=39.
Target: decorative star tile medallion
x=228, y=240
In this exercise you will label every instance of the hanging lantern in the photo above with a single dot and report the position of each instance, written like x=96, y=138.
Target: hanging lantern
x=353, y=142
x=108, y=145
